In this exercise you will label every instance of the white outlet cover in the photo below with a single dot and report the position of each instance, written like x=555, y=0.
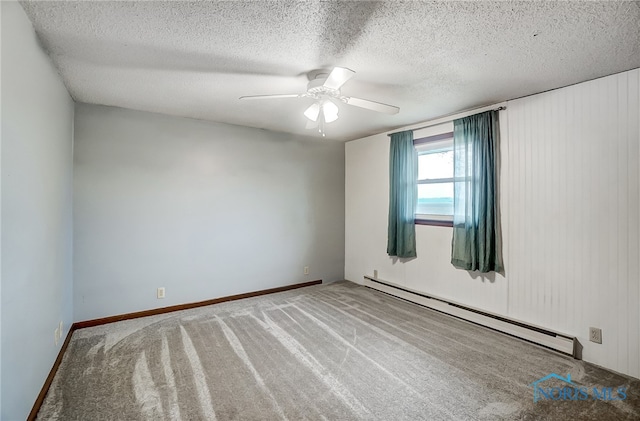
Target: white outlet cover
x=161, y=292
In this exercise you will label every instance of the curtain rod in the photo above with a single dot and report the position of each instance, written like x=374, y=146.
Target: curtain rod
x=442, y=122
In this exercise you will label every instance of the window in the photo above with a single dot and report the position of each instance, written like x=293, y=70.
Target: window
x=435, y=180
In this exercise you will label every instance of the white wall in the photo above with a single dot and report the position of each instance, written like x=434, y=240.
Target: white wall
x=0, y=221
x=37, y=133
x=203, y=209
x=570, y=209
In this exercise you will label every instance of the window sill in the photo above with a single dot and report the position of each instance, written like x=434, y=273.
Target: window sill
x=434, y=222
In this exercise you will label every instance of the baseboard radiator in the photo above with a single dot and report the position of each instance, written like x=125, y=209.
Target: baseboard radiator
x=558, y=341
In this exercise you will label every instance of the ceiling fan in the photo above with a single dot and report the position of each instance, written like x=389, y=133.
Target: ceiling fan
x=324, y=88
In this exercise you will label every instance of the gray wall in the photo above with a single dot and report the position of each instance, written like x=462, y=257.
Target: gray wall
x=37, y=132
x=200, y=208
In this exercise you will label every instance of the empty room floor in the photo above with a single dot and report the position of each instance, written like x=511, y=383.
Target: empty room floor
x=339, y=351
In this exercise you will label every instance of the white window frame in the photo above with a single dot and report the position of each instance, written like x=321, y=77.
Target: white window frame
x=424, y=145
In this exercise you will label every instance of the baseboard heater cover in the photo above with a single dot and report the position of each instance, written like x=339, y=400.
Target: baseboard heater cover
x=558, y=341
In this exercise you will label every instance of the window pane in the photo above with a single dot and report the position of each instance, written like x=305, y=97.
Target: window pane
x=435, y=199
x=435, y=165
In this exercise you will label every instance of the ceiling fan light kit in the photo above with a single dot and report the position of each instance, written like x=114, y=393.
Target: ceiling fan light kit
x=325, y=90
x=326, y=107
x=313, y=112
x=329, y=111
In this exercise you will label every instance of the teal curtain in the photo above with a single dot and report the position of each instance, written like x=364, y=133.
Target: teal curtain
x=477, y=240
x=403, y=195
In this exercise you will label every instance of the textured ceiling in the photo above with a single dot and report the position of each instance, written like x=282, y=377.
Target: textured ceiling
x=195, y=59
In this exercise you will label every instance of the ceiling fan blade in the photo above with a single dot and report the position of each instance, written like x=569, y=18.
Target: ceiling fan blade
x=338, y=77
x=271, y=96
x=372, y=105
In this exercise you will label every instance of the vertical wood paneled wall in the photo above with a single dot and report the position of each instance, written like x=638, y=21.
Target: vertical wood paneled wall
x=570, y=210
x=570, y=204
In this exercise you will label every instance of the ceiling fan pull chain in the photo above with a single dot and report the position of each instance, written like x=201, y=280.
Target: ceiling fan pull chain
x=321, y=124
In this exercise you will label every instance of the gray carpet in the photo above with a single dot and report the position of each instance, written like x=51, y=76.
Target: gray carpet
x=336, y=352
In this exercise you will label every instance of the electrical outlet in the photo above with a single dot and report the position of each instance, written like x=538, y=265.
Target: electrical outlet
x=161, y=292
x=306, y=270
x=56, y=336
x=375, y=273
x=60, y=327
x=595, y=335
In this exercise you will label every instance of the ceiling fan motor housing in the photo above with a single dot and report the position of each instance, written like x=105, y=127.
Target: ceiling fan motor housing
x=316, y=89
